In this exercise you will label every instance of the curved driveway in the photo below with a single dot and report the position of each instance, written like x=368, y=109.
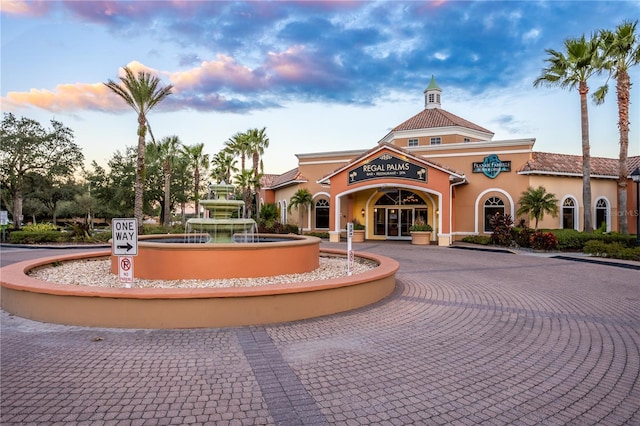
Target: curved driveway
x=468, y=337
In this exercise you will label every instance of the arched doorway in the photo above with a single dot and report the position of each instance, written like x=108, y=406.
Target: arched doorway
x=395, y=211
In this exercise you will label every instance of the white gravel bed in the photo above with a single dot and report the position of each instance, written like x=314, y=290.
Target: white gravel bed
x=97, y=273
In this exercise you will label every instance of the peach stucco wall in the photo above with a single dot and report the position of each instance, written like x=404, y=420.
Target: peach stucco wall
x=564, y=187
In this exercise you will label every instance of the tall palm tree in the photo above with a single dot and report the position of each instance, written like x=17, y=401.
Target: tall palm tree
x=165, y=152
x=223, y=164
x=258, y=142
x=301, y=200
x=197, y=160
x=621, y=51
x=535, y=202
x=141, y=92
x=581, y=62
x=239, y=145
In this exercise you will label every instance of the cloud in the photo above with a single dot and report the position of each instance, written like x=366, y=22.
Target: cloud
x=239, y=56
x=224, y=72
x=25, y=8
x=67, y=97
x=532, y=34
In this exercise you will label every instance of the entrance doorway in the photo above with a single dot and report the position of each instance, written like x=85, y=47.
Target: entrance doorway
x=395, y=212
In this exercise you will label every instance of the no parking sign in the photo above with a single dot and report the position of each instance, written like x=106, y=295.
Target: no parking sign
x=125, y=270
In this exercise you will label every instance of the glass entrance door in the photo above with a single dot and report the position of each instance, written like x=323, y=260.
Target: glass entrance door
x=406, y=220
x=393, y=221
x=398, y=222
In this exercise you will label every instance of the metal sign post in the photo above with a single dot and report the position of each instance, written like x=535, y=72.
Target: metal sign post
x=125, y=245
x=4, y=221
x=350, y=256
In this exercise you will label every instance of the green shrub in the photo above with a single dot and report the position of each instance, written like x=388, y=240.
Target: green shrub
x=159, y=229
x=570, y=239
x=31, y=237
x=40, y=227
x=477, y=239
x=324, y=235
x=614, y=250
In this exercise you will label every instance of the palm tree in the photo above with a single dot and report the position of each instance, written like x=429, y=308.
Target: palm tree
x=197, y=159
x=301, y=200
x=621, y=50
x=223, y=165
x=258, y=142
x=582, y=61
x=239, y=145
x=165, y=152
x=245, y=180
x=141, y=92
x=535, y=202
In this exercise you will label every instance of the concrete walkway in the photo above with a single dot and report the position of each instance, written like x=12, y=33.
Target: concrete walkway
x=469, y=337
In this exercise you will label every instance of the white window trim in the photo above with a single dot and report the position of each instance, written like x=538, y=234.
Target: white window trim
x=595, y=204
x=477, y=206
x=576, y=210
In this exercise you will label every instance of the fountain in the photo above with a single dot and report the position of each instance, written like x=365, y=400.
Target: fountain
x=220, y=225
x=216, y=247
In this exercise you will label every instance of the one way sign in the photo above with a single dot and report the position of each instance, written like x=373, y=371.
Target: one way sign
x=124, y=237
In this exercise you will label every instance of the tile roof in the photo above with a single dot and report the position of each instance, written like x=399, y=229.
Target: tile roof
x=287, y=178
x=267, y=180
x=550, y=163
x=437, y=117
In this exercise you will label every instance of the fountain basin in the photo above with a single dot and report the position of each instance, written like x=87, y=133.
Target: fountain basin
x=285, y=254
x=38, y=300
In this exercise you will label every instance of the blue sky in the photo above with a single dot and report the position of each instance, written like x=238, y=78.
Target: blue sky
x=320, y=76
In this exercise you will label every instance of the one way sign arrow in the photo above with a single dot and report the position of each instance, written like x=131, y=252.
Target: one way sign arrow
x=127, y=247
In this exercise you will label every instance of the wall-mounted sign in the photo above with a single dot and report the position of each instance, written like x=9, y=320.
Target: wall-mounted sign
x=492, y=166
x=388, y=166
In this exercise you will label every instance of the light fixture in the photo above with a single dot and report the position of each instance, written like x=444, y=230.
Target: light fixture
x=362, y=212
x=635, y=176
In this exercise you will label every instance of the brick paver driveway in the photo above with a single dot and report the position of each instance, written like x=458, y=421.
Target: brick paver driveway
x=468, y=337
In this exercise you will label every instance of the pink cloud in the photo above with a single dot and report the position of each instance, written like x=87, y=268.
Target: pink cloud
x=224, y=71
x=67, y=97
x=294, y=65
x=24, y=7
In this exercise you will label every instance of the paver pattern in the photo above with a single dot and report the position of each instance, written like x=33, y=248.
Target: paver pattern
x=468, y=337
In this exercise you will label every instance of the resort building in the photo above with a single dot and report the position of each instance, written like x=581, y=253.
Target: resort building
x=448, y=172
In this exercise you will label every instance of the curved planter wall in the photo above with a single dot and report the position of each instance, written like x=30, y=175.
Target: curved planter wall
x=173, y=261
x=30, y=298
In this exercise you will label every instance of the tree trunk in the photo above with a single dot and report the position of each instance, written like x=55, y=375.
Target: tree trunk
x=139, y=183
x=167, y=195
x=586, y=158
x=196, y=189
x=17, y=209
x=622, y=88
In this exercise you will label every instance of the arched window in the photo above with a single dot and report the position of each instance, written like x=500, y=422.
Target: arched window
x=569, y=213
x=602, y=214
x=322, y=214
x=492, y=206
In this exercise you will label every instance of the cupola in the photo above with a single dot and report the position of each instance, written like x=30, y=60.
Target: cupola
x=432, y=95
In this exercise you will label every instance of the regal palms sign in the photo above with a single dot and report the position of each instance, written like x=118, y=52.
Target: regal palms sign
x=388, y=166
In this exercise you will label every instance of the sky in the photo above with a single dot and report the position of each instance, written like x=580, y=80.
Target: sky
x=319, y=75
